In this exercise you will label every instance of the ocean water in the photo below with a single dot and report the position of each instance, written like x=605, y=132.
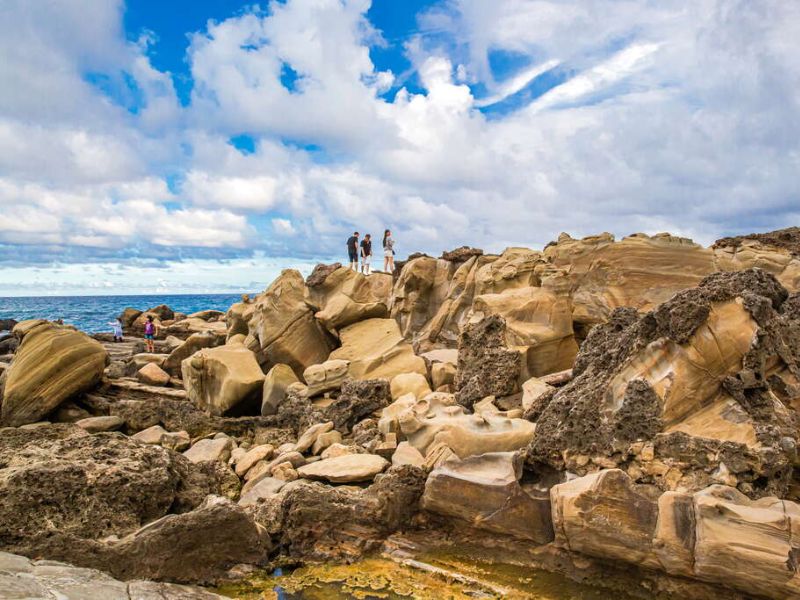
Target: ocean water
x=93, y=313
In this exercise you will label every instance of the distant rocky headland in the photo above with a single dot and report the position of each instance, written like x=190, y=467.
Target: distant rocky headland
x=624, y=412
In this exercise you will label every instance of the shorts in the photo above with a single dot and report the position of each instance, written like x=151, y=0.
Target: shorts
x=365, y=259
x=148, y=336
x=353, y=255
x=388, y=253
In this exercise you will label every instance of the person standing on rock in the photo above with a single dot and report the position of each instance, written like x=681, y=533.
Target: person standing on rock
x=388, y=252
x=366, y=253
x=117, y=330
x=150, y=334
x=352, y=250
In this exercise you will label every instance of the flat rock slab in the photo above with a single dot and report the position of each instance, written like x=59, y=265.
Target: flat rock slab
x=206, y=450
x=345, y=469
x=266, y=487
x=99, y=424
x=21, y=578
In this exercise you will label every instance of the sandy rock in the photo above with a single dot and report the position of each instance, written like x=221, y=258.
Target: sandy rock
x=325, y=377
x=285, y=472
x=325, y=440
x=405, y=383
x=142, y=359
x=276, y=384
x=100, y=424
x=193, y=325
x=335, y=450
x=252, y=456
x=376, y=349
x=485, y=492
x=151, y=435
x=532, y=392
x=224, y=379
x=128, y=316
x=438, y=454
x=406, y=454
x=341, y=297
x=207, y=315
x=345, y=469
x=152, y=374
x=310, y=435
x=206, y=450
x=69, y=412
x=195, y=342
x=443, y=374
x=264, y=488
x=52, y=365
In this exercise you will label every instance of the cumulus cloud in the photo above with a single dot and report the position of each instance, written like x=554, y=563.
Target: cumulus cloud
x=617, y=116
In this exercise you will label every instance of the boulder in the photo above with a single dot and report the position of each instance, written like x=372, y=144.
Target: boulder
x=443, y=374
x=485, y=491
x=325, y=440
x=325, y=377
x=53, y=364
x=264, y=488
x=358, y=399
x=195, y=342
x=192, y=325
x=461, y=254
x=345, y=469
x=409, y=383
x=100, y=424
x=342, y=296
x=406, y=454
x=207, y=315
x=376, y=349
x=276, y=385
x=310, y=435
x=128, y=316
x=252, y=456
x=775, y=252
x=208, y=450
x=225, y=379
x=152, y=374
x=533, y=392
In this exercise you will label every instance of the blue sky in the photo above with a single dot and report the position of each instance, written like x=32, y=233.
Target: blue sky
x=202, y=145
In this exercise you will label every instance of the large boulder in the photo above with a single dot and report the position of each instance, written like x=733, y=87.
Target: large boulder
x=53, y=364
x=376, y=349
x=225, y=379
x=276, y=385
x=696, y=392
x=192, y=344
x=325, y=377
x=485, y=491
x=342, y=296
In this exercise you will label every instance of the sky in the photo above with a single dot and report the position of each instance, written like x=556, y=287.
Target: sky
x=203, y=145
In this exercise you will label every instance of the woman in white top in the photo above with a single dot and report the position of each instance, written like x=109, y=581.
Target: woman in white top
x=388, y=252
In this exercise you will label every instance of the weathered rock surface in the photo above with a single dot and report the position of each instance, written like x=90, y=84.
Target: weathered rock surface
x=100, y=424
x=53, y=364
x=345, y=469
x=195, y=342
x=341, y=297
x=687, y=395
x=152, y=374
x=210, y=450
x=225, y=379
x=276, y=385
x=326, y=376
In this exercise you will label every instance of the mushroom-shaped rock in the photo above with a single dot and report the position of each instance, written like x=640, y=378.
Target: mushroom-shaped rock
x=345, y=469
x=225, y=379
x=53, y=363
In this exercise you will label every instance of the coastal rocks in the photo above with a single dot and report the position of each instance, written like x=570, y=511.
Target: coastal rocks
x=192, y=344
x=264, y=488
x=100, y=424
x=345, y=469
x=40, y=579
x=409, y=383
x=342, y=296
x=283, y=328
x=152, y=374
x=486, y=367
x=376, y=349
x=461, y=254
x=777, y=252
x=210, y=450
x=326, y=376
x=60, y=485
x=358, y=400
x=485, y=492
x=53, y=364
x=276, y=385
x=438, y=419
x=157, y=435
x=224, y=379
x=701, y=377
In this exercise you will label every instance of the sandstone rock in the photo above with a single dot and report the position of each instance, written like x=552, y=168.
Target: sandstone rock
x=325, y=440
x=335, y=450
x=776, y=252
x=261, y=452
x=69, y=412
x=413, y=383
x=437, y=454
x=376, y=349
x=406, y=454
x=195, y=342
x=486, y=367
x=142, y=359
x=264, y=488
x=345, y=469
x=152, y=374
x=310, y=435
x=438, y=419
x=443, y=374
x=100, y=424
x=151, y=435
x=53, y=364
x=208, y=315
x=128, y=316
x=285, y=472
x=224, y=379
x=485, y=492
x=207, y=450
x=342, y=297
x=325, y=377
x=533, y=392
x=691, y=377
x=276, y=384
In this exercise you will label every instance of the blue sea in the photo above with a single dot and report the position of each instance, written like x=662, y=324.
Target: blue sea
x=93, y=313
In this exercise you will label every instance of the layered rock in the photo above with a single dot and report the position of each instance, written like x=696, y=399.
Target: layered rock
x=687, y=395
x=53, y=364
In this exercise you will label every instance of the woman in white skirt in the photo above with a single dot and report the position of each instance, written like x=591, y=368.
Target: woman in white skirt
x=388, y=252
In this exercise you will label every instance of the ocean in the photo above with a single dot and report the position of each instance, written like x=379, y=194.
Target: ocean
x=93, y=313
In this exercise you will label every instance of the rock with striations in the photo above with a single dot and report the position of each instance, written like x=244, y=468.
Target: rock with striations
x=53, y=364
x=224, y=380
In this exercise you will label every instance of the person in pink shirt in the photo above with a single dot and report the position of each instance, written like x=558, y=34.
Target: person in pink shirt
x=150, y=329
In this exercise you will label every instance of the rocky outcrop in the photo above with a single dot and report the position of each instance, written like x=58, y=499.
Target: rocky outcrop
x=777, y=252
x=53, y=364
x=276, y=385
x=345, y=469
x=192, y=344
x=223, y=380
x=687, y=395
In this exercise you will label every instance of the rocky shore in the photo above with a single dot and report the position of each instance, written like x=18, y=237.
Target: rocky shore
x=621, y=412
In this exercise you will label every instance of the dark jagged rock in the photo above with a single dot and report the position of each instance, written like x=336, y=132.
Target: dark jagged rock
x=462, y=254
x=787, y=239
x=690, y=378
x=320, y=273
x=485, y=366
x=7, y=324
x=358, y=399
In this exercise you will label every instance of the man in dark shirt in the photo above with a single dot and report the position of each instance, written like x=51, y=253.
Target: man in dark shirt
x=352, y=250
x=366, y=253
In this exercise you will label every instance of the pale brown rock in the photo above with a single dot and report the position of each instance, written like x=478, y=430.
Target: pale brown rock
x=532, y=390
x=285, y=472
x=252, y=456
x=406, y=454
x=325, y=377
x=345, y=469
x=264, y=488
x=152, y=374
x=325, y=440
x=53, y=364
x=310, y=435
x=99, y=424
x=276, y=384
x=409, y=383
x=195, y=342
x=208, y=450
